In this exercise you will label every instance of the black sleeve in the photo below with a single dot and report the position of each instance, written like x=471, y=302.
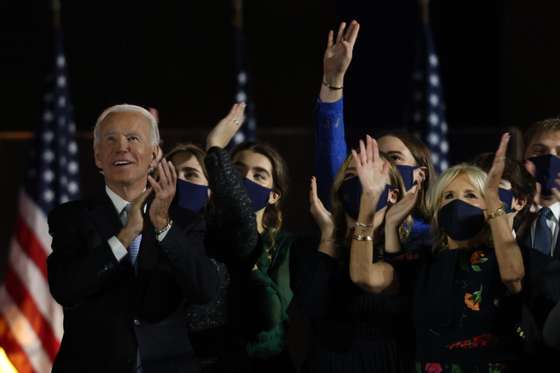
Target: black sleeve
x=81, y=263
x=195, y=272
x=231, y=221
x=313, y=291
x=551, y=329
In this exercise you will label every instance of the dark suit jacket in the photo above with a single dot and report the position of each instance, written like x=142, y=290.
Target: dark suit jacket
x=111, y=312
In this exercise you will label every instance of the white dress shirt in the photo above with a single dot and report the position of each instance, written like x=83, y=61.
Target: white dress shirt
x=552, y=223
x=120, y=204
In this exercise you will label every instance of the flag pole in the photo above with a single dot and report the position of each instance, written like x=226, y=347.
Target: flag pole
x=425, y=11
x=56, y=6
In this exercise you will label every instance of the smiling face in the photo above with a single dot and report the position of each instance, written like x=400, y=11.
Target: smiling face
x=124, y=150
x=396, y=151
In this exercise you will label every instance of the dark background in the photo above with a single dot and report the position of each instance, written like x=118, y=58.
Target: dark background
x=499, y=66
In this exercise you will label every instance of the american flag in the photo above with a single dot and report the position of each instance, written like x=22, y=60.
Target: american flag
x=30, y=319
x=428, y=107
x=249, y=126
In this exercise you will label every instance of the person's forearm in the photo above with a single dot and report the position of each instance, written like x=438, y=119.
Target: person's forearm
x=508, y=253
x=392, y=240
x=372, y=277
x=331, y=89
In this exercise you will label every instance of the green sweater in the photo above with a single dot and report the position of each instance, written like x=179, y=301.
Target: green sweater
x=270, y=293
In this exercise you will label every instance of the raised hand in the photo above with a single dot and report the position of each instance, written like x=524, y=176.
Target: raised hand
x=164, y=189
x=495, y=174
x=372, y=170
x=338, y=54
x=320, y=214
x=223, y=132
x=400, y=210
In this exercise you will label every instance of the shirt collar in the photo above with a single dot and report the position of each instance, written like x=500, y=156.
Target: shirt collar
x=555, y=208
x=118, y=202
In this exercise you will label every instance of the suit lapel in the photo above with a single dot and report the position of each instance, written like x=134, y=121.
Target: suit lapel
x=105, y=217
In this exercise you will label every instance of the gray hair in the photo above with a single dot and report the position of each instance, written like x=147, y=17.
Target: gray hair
x=126, y=108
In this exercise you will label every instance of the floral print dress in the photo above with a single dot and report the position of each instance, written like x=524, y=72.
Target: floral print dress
x=465, y=317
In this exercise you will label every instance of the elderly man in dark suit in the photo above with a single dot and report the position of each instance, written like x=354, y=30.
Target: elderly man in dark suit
x=120, y=267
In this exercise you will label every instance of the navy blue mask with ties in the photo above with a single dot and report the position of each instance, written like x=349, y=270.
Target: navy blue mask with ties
x=547, y=168
x=351, y=192
x=461, y=221
x=407, y=174
x=258, y=194
x=506, y=196
x=191, y=196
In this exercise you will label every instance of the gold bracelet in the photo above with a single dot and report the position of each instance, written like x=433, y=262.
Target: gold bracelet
x=332, y=86
x=359, y=237
x=362, y=225
x=500, y=211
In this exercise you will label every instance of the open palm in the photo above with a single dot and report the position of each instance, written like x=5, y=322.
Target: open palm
x=372, y=170
x=338, y=54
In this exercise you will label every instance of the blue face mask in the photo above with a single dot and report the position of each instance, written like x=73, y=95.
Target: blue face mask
x=258, y=194
x=506, y=196
x=460, y=220
x=351, y=192
x=407, y=174
x=547, y=167
x=191, y=196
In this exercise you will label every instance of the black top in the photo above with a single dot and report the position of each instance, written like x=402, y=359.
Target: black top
x=463, y=311
x=354, y=331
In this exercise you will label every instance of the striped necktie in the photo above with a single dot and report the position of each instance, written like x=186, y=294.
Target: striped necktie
x=135, y=244
x=543, y=235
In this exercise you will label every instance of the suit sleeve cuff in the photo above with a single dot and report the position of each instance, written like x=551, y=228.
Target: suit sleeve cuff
x=161, y=235
x=118, y=249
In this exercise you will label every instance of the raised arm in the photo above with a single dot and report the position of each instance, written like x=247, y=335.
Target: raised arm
x=330, y=147
x=508, y=253
x=373, y=172
x=232, y=224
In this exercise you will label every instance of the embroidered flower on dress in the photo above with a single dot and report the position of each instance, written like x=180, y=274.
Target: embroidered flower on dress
x=472, y=301
x=476, y=342
x=433, y=368
x=477, y=258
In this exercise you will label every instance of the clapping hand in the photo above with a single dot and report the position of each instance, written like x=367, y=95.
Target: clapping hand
x=320, y=214
x=372, y=170
x=164, y=188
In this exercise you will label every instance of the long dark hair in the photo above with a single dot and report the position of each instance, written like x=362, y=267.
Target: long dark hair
x=272, y=218
x=423, y=158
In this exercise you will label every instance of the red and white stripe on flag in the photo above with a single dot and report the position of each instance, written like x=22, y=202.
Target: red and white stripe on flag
x=30, y=319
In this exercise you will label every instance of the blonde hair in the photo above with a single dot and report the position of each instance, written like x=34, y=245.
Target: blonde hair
x=339, y=214
x=475, y=175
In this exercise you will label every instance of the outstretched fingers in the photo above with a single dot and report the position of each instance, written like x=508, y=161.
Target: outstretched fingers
x=340, y=33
